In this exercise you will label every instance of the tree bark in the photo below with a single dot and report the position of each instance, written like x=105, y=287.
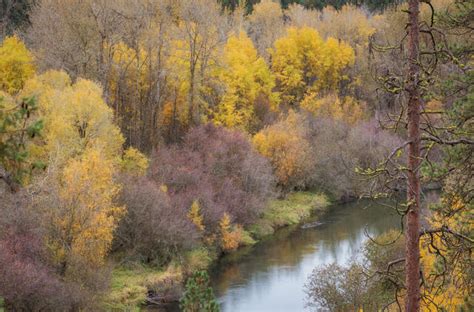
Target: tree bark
x=412, y=249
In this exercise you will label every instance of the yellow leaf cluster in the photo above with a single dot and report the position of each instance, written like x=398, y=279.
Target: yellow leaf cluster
x=332, y=106
x=286, y=147
x=86, y=217
x=245, y=76
x=449, y=292
x=75, y=116
x=133, y=162
x=302, y=61
x=16, y=65
x=129, y=70
x=193, y=60
x=230, y=235
x=195, y=215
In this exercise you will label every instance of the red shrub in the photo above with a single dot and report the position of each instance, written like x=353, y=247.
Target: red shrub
x=218, y=167
x=153, y=229
x=28, y=280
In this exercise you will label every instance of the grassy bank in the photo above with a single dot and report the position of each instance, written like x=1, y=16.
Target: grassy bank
x=130, y=285
x=293, y=209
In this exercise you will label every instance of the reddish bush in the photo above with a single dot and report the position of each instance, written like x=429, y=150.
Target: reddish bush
x=339, y=149
x=26, y=283
x=218, y=167
x=28, y=279
x=153, y=229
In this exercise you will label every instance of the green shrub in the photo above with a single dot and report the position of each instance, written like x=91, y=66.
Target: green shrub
x=198, y=259
x=198, y=295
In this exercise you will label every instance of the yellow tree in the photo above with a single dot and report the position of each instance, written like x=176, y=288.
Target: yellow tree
x=230, y=236
x=302, y=61
x=133, y=162
x=82, y=147
x=83, y=217
x=174, y=116
x=16, y=65
x=128, y=85
x=195, y=215
x=447, y=260
x=332, y=106
x=265, y=25
x=75, y=117
x=284, y=143
x=246, y=78
x=198, y=37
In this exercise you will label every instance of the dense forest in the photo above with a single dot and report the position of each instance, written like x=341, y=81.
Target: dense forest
x=142, y=140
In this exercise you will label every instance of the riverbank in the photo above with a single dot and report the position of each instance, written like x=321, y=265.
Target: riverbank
x=138, y=285
x=271, y=276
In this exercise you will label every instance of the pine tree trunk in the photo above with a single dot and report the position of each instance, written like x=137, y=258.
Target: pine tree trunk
x=412, y=251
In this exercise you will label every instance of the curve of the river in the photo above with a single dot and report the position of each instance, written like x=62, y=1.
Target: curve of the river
x=270, y=276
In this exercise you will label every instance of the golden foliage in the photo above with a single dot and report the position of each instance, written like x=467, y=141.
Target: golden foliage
x=245, y=76
x=230, y=235
x=302, y=61
x=332, y=106
x=83, y=221
x=134, y=162
x=129, y=78
x=75, y=116
x=16, y=65
x=195, y=215
x=450, y=292
x=286, y=147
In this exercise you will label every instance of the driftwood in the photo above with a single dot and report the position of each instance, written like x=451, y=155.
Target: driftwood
x=155, y=299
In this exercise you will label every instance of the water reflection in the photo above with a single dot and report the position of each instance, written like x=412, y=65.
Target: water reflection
x=270, y=277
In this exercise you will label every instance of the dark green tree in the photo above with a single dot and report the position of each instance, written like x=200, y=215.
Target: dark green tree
x=372, y=5
x=198, y=295
x=14, y=14
x=17, y=127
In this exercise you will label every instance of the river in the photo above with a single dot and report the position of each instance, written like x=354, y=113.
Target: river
x=270, y=276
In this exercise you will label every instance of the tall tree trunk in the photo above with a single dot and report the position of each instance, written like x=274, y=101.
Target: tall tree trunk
x=412, y=251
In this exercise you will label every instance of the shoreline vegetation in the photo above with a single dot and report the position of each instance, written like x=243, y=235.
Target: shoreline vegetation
x=137, y=285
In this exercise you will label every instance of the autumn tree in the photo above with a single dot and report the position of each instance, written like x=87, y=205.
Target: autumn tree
x=82, y=215
x=284, y=143
x=247, y=79
x=121, y=44
x=75, y=116
x=265, y=25
x=195, y=215
x=133, y=162
x=201, y=30
x=230, y=235
x=16, y=65
x=346, y=109
x=82, y=147
x=303, y=62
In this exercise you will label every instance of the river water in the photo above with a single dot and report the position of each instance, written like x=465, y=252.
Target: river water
x=270, y=276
